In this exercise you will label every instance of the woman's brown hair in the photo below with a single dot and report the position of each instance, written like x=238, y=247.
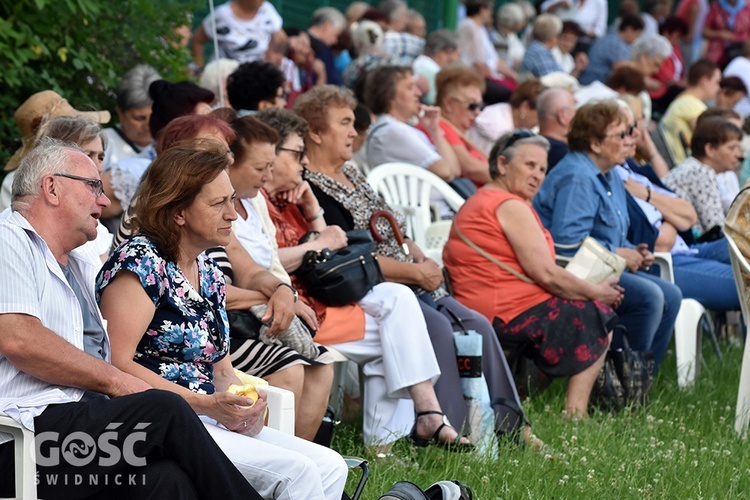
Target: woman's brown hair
x=590, y=124
x=171, y=184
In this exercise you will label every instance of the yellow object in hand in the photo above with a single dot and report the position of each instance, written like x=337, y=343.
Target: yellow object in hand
x=249, y=386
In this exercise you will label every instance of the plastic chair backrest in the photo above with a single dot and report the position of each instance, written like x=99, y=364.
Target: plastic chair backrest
x=740, y=268
x=406, y=188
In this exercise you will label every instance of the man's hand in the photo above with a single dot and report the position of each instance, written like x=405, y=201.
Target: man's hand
x=633, y=258
x=648, y=257
x=127, y=384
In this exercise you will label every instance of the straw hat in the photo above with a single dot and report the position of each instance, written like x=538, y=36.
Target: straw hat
x=39, y=108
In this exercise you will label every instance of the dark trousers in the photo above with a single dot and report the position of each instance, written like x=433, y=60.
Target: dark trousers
x=160, y=449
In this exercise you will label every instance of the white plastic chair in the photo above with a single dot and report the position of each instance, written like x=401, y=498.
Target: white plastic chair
x=406, y=188
x=741, y=268
x=687, y=340
x=435, y=238
x=280, y=417
x=24, y=456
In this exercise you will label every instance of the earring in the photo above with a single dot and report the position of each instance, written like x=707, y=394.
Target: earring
x=522, y=116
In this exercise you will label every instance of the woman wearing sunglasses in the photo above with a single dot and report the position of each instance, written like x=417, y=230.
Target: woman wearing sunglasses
x=459, y=95
x=583, y=196
x=562, y=322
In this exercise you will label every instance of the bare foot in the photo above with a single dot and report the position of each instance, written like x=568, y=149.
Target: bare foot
x=428, y=424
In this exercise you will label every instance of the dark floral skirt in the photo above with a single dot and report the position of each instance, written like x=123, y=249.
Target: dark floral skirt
x=563, y=337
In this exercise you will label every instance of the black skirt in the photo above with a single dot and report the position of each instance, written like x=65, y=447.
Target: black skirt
x=563, y=337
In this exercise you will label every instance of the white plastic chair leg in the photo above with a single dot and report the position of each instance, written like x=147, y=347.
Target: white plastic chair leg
x=742, y=415
x=688, y=341
x=24, y=455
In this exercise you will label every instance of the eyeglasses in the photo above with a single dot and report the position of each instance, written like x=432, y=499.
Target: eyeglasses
x=622, y=135
x=519, y=134
x=299, y=152
x=95, y=184
x=470, y=105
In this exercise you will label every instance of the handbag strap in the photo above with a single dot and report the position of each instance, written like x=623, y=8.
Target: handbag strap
x=489, y=257
x=458, y=321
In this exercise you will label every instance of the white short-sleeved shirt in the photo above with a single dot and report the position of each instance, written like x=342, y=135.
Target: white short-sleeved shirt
x=252, y=235
x=245, y=41
x=393, y=140
x=118, y=149
x=32, y=283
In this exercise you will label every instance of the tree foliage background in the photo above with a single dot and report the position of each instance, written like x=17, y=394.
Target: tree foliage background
x=81, y=48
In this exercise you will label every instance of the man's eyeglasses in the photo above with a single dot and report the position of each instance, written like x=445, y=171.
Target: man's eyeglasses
x=299, y=152
x=470, y=105
x=95, y=185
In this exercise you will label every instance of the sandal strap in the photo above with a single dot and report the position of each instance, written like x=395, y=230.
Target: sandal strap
x=429, y=412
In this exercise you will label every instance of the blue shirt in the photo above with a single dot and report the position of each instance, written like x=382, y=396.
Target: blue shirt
x=577, y=200
x=538, y=60
x=603, y=54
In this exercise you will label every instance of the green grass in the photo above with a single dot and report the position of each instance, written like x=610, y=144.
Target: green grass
x=682, y=445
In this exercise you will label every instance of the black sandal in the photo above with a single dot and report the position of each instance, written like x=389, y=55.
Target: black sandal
x=422, y=442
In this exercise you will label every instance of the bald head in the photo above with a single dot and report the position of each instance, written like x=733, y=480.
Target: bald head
x=551, y=101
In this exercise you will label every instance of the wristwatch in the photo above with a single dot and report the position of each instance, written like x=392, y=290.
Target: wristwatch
x=294, y=290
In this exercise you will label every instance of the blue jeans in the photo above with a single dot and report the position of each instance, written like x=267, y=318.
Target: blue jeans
x=707, y=277
x=648, y=311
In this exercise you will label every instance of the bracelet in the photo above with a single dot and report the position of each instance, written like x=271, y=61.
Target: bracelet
x=648, y=196
x=294, y=290
x=317, y=215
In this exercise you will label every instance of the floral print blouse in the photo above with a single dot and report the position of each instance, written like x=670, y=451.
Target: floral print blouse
x=189, y=331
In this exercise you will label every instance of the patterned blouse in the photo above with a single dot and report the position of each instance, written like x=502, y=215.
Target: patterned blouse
x=361, y=202
x=696, y=182
x=189, y=331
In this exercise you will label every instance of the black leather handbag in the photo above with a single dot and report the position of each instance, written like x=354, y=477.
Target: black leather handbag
x=344, y=276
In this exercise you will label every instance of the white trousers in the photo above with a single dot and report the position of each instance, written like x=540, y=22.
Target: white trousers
x=395, y=354
x=282, y=466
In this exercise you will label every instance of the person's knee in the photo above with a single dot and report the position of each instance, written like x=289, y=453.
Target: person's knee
x=166, y=479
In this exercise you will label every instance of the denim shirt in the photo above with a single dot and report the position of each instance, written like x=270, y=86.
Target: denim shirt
x=577, y=200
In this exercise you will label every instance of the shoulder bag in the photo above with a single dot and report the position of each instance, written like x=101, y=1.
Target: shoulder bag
x=344, y=276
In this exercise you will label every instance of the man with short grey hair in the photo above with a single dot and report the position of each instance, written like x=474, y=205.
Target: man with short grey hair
x=55, y=373
x=440, y=50
x=326, y=24
x=555, y=108
x=538, y=59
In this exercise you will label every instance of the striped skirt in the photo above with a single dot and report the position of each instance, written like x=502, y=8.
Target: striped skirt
x=256, y=358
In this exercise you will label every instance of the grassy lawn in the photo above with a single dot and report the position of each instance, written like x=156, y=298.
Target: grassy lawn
x=682, y=445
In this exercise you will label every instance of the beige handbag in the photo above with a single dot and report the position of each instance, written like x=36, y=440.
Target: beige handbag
x=594, y=263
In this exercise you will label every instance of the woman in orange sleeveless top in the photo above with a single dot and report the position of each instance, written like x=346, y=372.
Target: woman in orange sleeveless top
x=563, y=322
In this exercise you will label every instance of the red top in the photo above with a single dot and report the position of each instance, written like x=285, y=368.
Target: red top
x=670, y=71
x=718, y=19
x=454, y=139
x=479, y=283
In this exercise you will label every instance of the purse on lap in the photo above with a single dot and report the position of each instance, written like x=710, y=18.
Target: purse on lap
x=593, y=262
x=344, y=276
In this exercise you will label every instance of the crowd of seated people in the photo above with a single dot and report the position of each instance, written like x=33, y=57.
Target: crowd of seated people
x=216, y=191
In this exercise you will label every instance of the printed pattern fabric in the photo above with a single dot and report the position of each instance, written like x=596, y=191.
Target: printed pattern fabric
x=189, y=331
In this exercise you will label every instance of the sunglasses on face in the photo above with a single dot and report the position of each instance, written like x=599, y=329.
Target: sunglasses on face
x=300, y=153
x=95, y=185
x=470, y=105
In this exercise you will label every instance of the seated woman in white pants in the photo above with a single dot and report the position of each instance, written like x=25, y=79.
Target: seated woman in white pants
x=164, y=301
x=390, y=337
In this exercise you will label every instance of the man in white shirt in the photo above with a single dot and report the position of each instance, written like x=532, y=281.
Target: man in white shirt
x=55, y=375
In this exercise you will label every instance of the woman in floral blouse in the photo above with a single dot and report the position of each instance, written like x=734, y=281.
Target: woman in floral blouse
x=164, y=301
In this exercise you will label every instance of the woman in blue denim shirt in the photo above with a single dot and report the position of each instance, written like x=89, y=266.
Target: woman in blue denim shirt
x=582, y=197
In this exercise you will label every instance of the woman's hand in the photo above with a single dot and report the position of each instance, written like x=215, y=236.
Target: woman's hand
x=332, y=238
x=648, y=257
x=235, y=413
x=430, y=119
x=281, y=309
x=609, y=292
x=307, y=315
x=416, y=253
x=302, y=196
x=633, y=258
x=430, y=275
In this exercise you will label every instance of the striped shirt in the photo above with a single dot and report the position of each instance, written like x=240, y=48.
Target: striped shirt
x=32, y=283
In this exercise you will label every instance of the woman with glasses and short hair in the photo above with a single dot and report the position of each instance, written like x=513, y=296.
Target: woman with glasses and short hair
x=583, y=196
x=459, y=95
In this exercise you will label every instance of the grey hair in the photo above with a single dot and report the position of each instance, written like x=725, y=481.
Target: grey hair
x=529, y=10
x=74, y=129
x=499, y=149
x=390, y=8
x=415, y=14
x=652, y=46
x=215, y=74
x=132, y=92
x=328, y=14
x=546, y=27
x=440, y=40
x=50, y=156
x=549, y=102
x=509, y=15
